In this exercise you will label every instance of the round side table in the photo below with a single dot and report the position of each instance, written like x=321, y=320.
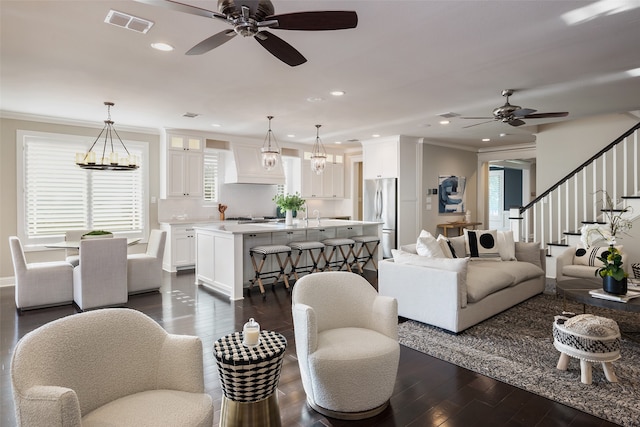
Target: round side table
x=249, y=377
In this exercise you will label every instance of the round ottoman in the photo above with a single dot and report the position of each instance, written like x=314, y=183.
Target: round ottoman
x=589, y=338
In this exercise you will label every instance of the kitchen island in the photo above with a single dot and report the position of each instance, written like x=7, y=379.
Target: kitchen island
x=222, y=250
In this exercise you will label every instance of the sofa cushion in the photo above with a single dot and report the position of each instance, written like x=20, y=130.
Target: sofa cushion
x=428, y=246
x=483, y=281
x=458, y=265
x=521, y=271
x=410, y=248
x=457, y=246
x=446, y=247
x=506, y=245
x=481, y=244
x=528, y=252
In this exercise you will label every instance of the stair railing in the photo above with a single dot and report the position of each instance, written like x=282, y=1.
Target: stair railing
x=575, y=199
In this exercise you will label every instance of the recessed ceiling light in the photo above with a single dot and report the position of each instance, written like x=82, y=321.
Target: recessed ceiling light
x=338, y=142
x=486, y=139
x=502, y=135
x=215, y=125
x=444, y=122
x=375, y=135
x=291, y=135
x=337, y=92
x=162, y=46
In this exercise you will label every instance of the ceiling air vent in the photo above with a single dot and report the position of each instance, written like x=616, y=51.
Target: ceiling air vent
x=449, y=115
x=130, y=22
x=190, y=115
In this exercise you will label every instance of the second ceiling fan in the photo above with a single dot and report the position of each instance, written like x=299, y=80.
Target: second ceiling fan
x=251, y=18
x=513, y=114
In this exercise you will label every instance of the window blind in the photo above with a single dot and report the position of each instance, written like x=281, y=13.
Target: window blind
x=58, y=196
x=211, y=159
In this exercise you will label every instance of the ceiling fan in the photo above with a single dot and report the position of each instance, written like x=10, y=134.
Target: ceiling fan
x=513, y=114
x=251, y=18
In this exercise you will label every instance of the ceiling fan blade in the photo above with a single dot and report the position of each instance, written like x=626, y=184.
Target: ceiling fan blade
x=545, y=115
x=186, y=8
x=212, y=42
x=280, y=49
x=477, y=124
x=523, y=112
x=316, y=20
x=478, y=118
x=516, y=122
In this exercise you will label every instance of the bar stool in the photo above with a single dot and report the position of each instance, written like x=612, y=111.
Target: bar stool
x=265, y=251
x=306, y=246
x=364, y=251
x=340, y=244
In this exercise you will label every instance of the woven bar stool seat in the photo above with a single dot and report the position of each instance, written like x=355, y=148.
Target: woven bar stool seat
x=339, y=245
x=308, y=247
x=589, y=338
x=364, y=250
x=264, y=252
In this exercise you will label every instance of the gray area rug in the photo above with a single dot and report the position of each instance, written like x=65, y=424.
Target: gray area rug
x=516, y=347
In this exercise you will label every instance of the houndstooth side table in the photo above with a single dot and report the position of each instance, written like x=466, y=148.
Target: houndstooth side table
x=249, y=377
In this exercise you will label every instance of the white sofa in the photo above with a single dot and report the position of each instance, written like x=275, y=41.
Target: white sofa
x=456, y=300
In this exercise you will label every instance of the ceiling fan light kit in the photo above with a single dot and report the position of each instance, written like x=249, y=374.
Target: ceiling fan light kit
x=318, y=154
x=513, y=114
x=252, y=18
x=108, y=160
x=270, y=153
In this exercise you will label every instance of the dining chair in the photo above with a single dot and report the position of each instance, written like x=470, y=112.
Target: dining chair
x=40, y=284
x=101, y=278
x=73, y=255
x=144, y=271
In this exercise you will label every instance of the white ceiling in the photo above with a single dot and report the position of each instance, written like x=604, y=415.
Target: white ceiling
x=406, y=63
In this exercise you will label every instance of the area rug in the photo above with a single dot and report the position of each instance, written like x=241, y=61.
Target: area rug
x=516, y=347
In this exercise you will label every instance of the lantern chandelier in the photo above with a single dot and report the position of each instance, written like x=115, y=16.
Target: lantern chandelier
x=318, y=154
x=270, y=154
x=110, y=160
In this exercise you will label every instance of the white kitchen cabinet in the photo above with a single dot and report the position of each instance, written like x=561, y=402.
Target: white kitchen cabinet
x=182, y=164
x=180, y=250
x=327, y=185
x=380, y=159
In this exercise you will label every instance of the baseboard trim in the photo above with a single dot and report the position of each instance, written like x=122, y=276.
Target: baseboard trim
x=7, y=281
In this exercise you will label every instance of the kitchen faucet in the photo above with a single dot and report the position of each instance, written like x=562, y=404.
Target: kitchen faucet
x=317, y=214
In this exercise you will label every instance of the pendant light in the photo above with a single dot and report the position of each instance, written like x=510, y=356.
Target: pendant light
x=270, y=154
x=318, y=154
x=111, y=160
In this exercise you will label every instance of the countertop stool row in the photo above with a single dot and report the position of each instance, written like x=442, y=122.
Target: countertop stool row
x=335, y=254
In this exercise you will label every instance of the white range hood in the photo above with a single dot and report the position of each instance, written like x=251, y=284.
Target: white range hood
x=243, y=165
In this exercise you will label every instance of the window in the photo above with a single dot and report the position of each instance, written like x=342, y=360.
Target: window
x=211, y=179
x=55, y=195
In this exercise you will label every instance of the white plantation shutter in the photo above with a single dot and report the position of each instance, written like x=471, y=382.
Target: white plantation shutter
x=211, y=159
x=57, y=195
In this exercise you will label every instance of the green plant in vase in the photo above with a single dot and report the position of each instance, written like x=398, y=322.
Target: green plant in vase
x=614, y=278
x=289, y=203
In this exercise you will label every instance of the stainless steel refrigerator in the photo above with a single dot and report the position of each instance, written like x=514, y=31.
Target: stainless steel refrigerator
x=380, y=204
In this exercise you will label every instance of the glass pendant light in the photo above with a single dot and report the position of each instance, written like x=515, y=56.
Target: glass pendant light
x=270, y=154
x=107, y=160
x=318, y=154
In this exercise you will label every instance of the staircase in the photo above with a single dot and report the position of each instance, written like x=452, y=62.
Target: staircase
x=554, y=218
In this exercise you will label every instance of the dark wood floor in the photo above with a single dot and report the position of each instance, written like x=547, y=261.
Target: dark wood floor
x=428, y=391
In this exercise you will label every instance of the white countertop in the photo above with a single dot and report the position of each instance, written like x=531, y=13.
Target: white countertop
x=232, y=227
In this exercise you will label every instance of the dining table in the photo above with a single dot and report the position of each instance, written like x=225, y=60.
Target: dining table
x=75, y=244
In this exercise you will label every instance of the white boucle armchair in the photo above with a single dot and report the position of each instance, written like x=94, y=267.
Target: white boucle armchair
x=109, y=367
x=347, y=344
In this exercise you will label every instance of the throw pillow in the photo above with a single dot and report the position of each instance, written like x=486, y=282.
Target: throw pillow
x=528, y=252
x=446, y=247
x=506, y=246
x=457, y=246
x=458, y=265
x=481, y=244
x=428, y=246
x=589, y=256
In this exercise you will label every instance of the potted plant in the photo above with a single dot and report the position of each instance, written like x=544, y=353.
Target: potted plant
x=614, y=278
x=97, y=234
x=289, y=203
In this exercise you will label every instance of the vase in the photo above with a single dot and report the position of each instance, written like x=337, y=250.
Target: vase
x=288, y=218
x=613, y=286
